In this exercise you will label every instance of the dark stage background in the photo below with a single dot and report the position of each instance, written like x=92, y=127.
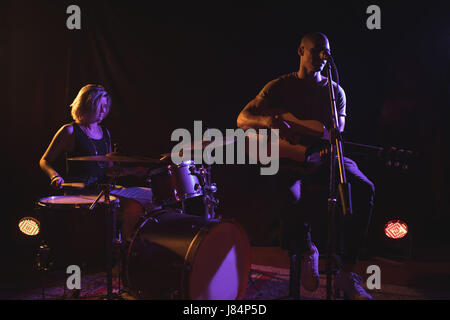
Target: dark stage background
x=168, y=65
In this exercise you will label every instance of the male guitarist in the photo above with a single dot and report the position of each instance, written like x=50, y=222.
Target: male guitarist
x=304, y=95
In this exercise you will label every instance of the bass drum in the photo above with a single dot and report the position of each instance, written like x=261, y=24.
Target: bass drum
x=177, y=256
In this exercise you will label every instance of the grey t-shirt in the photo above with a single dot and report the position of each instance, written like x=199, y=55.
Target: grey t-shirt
x=304, y=100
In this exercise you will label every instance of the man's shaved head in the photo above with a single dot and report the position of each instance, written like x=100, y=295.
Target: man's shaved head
x=314, y=38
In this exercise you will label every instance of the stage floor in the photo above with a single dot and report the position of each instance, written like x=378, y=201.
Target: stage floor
x=268, y=280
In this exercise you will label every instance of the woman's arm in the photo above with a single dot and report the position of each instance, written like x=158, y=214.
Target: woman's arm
x=61, y=142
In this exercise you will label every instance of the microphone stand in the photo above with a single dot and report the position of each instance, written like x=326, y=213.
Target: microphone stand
x=336, y=170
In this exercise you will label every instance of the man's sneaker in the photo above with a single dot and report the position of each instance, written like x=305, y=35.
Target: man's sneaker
x=310, y=269
x=351, y=284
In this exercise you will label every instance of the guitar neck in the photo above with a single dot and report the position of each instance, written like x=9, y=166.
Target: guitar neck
x=364, y=146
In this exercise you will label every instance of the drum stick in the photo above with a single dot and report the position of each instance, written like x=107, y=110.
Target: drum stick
x=78, y=185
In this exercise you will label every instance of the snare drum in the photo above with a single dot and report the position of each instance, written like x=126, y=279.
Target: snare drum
x=175, y=183
x=177, y=256
x=75, y=201
x=74, y=234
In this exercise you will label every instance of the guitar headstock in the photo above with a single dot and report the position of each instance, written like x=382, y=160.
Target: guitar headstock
x=397, y=158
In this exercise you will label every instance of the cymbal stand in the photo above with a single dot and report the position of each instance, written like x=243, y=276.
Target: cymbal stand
x=110, y=235
x=208, y=189
x=43, y=264
x=209, y=200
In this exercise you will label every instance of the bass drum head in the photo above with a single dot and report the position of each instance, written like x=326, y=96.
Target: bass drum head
x=220, y=265
x=179, y=256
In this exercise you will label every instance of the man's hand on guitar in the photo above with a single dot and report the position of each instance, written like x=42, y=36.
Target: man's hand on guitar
x=324, y=152
x=284, y=128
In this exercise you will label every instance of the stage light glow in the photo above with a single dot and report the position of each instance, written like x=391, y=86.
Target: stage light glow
x=396, y=229
x=29, y=226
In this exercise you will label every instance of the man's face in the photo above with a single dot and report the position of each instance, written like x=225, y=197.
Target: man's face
x=309, y=52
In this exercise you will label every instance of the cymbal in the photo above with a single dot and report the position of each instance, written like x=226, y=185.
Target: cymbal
x=201, y=145
x=117, y=157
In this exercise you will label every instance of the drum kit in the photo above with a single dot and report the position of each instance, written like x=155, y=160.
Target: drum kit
x=171, y=254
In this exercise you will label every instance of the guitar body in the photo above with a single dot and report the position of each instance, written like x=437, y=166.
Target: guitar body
x=309, y=132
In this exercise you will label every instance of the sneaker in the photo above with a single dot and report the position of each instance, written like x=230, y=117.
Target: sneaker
x=310, y=269
x=351, y=284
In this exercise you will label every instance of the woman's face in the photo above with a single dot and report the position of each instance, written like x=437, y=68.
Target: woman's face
x=101, y=111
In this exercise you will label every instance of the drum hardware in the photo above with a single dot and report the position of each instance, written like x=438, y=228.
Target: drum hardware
x=112, y=239
x=119, y=253
x=43, y=264
x=154, y=219
x=119, y=157
x=208, y=189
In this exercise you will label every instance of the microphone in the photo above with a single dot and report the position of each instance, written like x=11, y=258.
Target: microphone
x=325, y=55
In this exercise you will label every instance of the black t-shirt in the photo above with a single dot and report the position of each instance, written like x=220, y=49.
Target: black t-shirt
x=88, y=172
x=304, y=100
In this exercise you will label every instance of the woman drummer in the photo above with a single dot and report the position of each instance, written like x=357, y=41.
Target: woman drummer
x=86, y=137
x=83, y=137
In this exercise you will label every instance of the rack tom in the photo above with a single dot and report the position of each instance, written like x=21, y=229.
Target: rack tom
x=175, y=183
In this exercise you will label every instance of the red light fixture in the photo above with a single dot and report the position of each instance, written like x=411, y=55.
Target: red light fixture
x=396, y=229
x=29, y=226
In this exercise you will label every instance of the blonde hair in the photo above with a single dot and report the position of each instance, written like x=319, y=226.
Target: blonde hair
x=87, y=102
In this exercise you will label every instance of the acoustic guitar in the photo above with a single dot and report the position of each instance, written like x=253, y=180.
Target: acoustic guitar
x=311, y=148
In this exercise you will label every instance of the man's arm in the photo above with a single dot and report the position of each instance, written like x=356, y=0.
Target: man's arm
x=342, y=106
x=259, y=114
x=341, y=123
x=252, y=116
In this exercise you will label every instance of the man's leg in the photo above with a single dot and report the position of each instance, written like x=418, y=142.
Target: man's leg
x=296, y=238
x=296, y=231
x=356, y=225
x=355, y=228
